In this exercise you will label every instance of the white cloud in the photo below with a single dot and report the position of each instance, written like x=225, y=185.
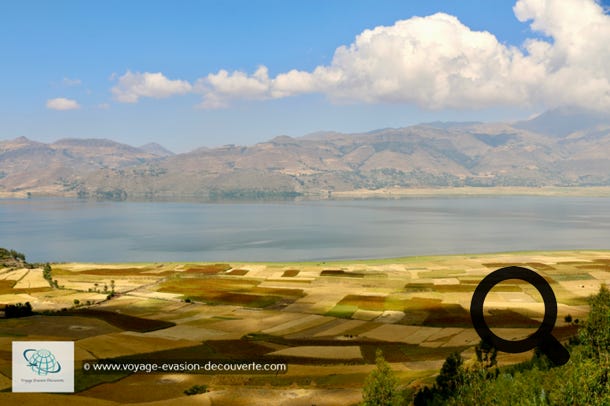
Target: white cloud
x=223, y=86
x=434, y=62
x=62, y=103
x=71, y=82
x=132, y=86
x=576, y=63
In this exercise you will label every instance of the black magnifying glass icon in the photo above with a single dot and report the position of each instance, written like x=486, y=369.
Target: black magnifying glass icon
x=542, y=338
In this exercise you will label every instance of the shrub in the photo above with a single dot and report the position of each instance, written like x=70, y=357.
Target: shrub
x=196, y=390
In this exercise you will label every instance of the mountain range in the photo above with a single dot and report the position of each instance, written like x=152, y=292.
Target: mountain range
x=562, y=147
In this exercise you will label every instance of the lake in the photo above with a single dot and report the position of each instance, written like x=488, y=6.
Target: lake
x=77, y=230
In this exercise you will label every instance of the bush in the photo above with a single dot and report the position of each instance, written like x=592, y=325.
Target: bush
x=18, y=310
x=196, y=390
x=11, y=257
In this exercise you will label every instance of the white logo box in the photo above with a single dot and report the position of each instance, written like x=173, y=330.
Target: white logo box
x=43, y=366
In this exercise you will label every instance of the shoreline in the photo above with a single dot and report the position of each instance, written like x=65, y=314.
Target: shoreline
x=386, y=193
x=576, y=191
x=365, y=261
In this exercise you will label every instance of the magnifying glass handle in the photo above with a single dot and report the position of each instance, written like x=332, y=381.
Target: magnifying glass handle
x=556, y=352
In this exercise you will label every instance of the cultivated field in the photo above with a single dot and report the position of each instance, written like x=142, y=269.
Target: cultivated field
x=325, y=319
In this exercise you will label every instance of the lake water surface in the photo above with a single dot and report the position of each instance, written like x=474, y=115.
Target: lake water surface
x=76, y=230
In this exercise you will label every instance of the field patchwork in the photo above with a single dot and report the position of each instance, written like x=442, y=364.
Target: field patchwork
x=326, y=319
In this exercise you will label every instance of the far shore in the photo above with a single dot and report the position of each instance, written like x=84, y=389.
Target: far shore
x=593, y=191
x=385, y=193
x=523, y=256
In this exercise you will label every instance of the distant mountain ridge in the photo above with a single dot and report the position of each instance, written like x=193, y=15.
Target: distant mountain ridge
x=156, y=149
x=530, y=153
x=563, y=121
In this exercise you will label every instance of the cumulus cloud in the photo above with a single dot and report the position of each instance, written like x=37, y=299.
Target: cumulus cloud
x=576, y=63
x=133, y=85
x=434, y=62
x=61, y=103
x=223, y=86
x=438, y=62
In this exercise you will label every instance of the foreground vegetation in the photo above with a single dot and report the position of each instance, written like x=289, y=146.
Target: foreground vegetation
x=584, y=380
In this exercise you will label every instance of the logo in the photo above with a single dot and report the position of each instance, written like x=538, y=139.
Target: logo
x=42, y=362
x=43, y=366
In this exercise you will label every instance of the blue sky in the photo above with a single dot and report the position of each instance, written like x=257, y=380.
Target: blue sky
x=143, y=71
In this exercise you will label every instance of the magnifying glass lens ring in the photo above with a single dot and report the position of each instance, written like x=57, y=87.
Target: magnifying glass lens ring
x=501, y=275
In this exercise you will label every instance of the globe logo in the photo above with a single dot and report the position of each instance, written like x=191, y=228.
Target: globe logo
x=42, y=361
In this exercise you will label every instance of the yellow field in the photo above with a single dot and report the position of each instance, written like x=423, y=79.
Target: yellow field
x=326, y=319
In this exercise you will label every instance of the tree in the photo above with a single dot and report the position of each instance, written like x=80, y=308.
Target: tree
x=595, y=333
x=423, y=396
x=451, y=377
x=47, y=274
x=18, y=310
x=46, y=271
x=486, y=354
x=448, y=380
x=380, y=387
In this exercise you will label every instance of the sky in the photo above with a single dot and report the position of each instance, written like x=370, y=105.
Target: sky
x=187, y=74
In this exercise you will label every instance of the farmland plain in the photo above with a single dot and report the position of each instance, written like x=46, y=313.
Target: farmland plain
x=325, y=319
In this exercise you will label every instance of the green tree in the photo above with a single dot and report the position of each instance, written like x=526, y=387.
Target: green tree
x=46, y=271
x=583, y=381
x=595, y=334
x=486, y=354
x=47, y=274
x=18, y=310
x=381, y=386
x=448, y=379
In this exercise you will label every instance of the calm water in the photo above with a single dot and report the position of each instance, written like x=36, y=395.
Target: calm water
x=73, y=230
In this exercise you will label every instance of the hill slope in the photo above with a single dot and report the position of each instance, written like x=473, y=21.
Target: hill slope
x=427, y=155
